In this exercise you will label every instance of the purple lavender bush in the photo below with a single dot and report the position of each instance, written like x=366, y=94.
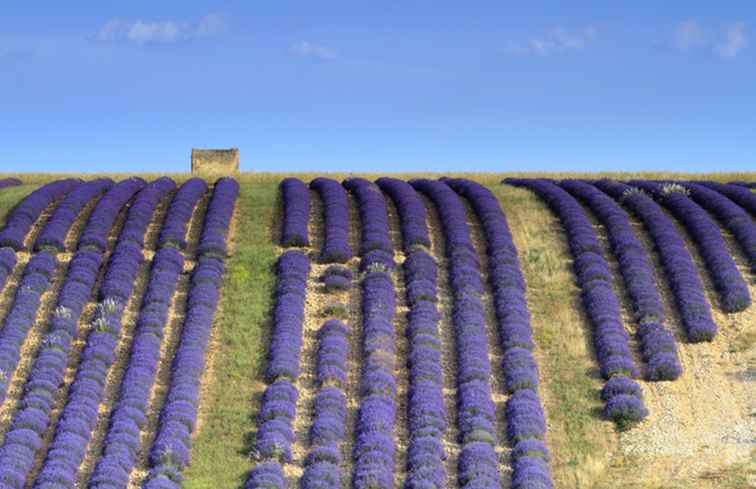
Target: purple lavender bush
x=296, y=212
x=19, y=220
x=737, y=193
x=54, y=233
x=610, y=340
x=75, y=426
x=336, y=248
x=730, y=215
x=728, y=281
x=412, y=213
x=657, y=343
x=173, y=232
x=477, y=465
x=679, y=268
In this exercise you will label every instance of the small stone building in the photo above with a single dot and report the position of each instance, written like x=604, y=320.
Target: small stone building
x=215, y=161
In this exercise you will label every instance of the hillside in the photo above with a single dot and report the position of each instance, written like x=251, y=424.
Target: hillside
x=699, y=432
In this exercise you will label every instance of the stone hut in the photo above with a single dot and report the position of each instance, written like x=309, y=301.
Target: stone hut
x=215, y=161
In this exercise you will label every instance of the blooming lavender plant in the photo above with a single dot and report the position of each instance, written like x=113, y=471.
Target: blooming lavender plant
x=296, y=207
x=54, y=233
x=336, y=248
x=173, y=232
x=737, y=193
x=678, y=265
x=477, y=465
x=731, y=215
x=728, y=281
x=594, y=278
x=657, y=343
x=77, y=420
x=19, y=220
x=411, y=210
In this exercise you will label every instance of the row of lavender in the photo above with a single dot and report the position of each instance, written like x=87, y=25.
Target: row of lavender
x=374, y=445
x=31, y=420
x=9, y=182
x=610, y=340
x=526, y=424
x=74, y=429
x=689, y=203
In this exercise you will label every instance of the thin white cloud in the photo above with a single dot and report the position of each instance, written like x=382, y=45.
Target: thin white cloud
x=160, y=32
x=556, y=40
x=308, y=49
x=735, y=40
x=690, y=36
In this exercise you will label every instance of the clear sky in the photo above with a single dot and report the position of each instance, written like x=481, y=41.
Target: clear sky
x=379, y=86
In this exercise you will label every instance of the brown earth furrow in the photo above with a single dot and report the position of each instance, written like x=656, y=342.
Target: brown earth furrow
x=354, y=355
x=8, y=293
x=703, y=422
x=48, y=300
x=84, y=327
x=171, y=338
x=495, y=353
x=123, y=349
x=448, y=344
x=401, y=365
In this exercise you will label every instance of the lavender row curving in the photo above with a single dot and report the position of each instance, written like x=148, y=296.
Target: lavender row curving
x=275, y=433
x=212, y=241
x=411, y=211
x=30, y=422
x=731, y=215
x=9, y=182
x=525, y=419
x=750, y=185
x=104, y=215
x=657, y=342
x=182, y=206
x=74, y=429
x=732, y=289
x=178, y=417
x=296, y=206
x=336, y=248
x=374, y=234
x=476, y=417
x=737, y=193
x=141, y=211
x=122, y=440
x=19, y=221
x=53, y=235
x=374, y=447
x=35, y=281
x=322, y=463
x=7, y=263
x=426, y=411
x=610, y=339
x=678, y=264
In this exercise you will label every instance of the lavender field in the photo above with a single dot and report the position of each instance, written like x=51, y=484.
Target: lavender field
x=419, y=332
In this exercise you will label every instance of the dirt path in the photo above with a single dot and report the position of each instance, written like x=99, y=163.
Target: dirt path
x=701, y=426
x=495, y=353
x=84, y=327
x=448, y=344
x=48, y=300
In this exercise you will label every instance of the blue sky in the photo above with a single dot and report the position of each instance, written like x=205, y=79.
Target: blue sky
x=379, y=86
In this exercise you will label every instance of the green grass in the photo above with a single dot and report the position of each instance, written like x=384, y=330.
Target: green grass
x=9, y=197
x=220, y=452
